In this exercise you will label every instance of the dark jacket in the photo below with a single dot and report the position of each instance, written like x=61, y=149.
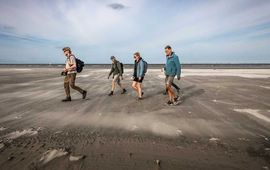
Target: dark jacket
x=116, y=69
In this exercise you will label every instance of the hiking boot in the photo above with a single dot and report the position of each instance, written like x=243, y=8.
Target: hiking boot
x=124, y=91
x=68, y=99
x=84, y=94
x=111, y=93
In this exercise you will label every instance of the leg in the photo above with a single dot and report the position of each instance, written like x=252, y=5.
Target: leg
x=175, y=86
x=66, y=86
x=72, y=83
x=135, y=87
x=171, y=93
x=139, y=87
x=166, y=92
x=113, y=86
x=169, y=89
x=120, y=85
x=118, y=81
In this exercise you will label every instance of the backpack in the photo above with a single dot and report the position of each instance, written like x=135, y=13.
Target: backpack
x=145, y=65
x=79, y=65
x=122, y=67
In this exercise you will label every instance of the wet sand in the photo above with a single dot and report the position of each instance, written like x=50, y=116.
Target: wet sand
x=223, y=123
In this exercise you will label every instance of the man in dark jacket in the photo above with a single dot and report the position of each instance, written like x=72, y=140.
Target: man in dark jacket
x=173, y=68
x=116, y=71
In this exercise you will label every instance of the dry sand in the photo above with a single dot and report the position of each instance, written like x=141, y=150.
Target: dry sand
x=223, y=123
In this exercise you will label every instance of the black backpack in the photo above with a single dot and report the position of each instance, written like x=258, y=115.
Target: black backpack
x=122, y=67
x=79, y=65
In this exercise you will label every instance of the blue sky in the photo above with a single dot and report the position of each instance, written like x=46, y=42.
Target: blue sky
x=200, y=31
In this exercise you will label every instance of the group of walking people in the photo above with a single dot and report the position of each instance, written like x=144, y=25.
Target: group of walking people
x=172, y=70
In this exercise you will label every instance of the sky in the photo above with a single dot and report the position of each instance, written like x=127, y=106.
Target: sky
x=199, y=31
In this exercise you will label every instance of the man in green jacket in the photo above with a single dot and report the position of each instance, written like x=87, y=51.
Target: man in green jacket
x=173, y=68
x=117, y=72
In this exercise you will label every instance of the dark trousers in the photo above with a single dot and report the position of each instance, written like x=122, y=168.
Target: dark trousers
x=175, y=86
x=69, y=81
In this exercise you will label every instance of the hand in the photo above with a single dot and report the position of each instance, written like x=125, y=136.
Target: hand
x=178, y=77
x=65, y=70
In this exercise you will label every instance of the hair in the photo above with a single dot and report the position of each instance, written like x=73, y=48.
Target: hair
x=67, y=49
x=137, y=54
x=168, y=47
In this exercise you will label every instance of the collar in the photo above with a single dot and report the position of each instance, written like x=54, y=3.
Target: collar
x=169, y=56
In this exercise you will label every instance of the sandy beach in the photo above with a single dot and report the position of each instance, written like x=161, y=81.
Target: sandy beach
x=223, y=123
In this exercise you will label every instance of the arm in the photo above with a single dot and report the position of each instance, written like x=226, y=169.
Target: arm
x=141, y=66
x=134, y=69
x=119, y=68
x=110, y=72
x=72, y=63
x=178, y=66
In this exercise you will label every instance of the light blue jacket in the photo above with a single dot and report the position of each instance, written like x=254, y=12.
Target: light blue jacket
x=173, y=67
x=140, y=69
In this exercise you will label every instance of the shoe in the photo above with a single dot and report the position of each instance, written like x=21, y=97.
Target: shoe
x=124, y=91
x=175, y=103
x=177, y=98
x=84, y=94
x=110, y=94
x=139, y=98
x=68, y=99
x=169, y=103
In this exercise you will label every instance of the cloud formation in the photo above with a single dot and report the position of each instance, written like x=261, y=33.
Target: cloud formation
x=116, y=6
x=199, y=31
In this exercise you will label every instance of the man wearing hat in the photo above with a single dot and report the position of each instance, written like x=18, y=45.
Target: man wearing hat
x=70, y=72
x=117, y=72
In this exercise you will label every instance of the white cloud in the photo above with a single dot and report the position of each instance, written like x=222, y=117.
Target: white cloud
x=141, y=25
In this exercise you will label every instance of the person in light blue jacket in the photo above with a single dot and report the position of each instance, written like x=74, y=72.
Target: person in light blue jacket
x=173, y=68
x=138, y=74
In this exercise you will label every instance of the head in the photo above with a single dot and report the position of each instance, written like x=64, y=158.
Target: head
x=137, y=56
x=168, y=50
x=67, y=51
x=113, y=59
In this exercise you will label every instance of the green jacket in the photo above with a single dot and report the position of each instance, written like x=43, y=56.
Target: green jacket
x=116, y=69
